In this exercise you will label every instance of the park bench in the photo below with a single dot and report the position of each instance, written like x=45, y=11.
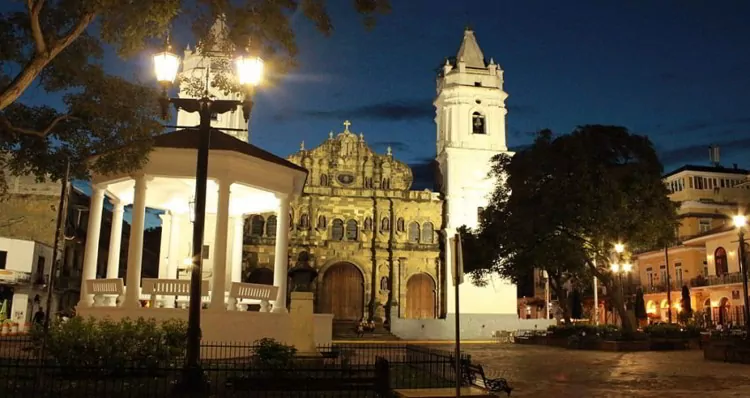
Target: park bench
x=105, y=291
x=472, y=373
x=170, y=288
x=242, y=294
x=503, y=336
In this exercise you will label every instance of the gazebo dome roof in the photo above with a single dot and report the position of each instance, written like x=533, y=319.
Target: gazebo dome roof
x=190, y=139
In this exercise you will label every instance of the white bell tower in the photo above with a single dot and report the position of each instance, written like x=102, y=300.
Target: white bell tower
x=470, y=120
x=200, y=70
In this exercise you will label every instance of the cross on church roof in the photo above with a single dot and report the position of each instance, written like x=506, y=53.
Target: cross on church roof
x=346, y=126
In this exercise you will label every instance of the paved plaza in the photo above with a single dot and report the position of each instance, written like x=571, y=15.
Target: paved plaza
x=537, y=371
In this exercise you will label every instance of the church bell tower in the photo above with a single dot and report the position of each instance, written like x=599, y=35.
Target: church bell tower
x=470, y=121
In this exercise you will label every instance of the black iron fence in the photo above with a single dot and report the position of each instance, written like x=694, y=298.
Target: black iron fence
x=350, y=370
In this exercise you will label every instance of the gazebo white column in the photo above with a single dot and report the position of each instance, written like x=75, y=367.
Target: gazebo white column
x=91, y=252
x=237, y=248
x=174, y=245
x=115, y=241
x=135, y=246
x=166, y=222
x=281, y=261
x=218, y=283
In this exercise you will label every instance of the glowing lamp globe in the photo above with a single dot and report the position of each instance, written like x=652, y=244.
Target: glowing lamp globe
x=166, y=65
x=739, y=220
x=627, y=267
x=615, y=267
x=249, y=70
x=619, y=248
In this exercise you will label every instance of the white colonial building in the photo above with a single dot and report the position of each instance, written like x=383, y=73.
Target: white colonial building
x=24, y=273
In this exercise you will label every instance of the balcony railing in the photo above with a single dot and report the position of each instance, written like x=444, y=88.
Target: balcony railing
x=714, y=280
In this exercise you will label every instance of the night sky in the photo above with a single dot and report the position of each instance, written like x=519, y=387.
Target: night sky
x=677, y=71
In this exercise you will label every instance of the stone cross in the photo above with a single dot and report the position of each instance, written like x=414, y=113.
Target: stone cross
x=346, y=125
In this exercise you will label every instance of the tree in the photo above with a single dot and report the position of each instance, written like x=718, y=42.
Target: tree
x=687, y=306
x=573, y=197
x=576, y=305
x=59, y=46
x=640, y=305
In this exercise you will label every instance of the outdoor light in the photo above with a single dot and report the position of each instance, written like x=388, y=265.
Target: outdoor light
x=615, y=267
x=740, y=220
x=249, y=70
x=619, y=247
x=166, y=65
x=627, y=267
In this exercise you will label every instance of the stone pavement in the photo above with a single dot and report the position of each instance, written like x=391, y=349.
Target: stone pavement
x=538, y=371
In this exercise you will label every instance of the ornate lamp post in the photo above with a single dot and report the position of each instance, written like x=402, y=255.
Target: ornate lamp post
x=740, y=221
x=249, y=73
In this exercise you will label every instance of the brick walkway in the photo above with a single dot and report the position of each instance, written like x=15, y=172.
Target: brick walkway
x=536, y=371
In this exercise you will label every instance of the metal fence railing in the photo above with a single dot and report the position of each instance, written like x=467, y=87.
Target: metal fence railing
x=352, y=370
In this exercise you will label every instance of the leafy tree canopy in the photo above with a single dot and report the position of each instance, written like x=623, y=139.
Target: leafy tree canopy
x=573, y=197
x=58, y=45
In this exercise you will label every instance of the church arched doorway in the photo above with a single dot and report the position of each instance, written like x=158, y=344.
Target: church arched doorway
x=342, y=292
x=420, y=297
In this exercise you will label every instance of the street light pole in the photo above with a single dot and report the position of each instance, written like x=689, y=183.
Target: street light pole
x=740, y=221
x=250, y=70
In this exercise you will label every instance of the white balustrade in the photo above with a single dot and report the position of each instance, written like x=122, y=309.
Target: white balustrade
x=168, y=289
x=109, y=289
x=242, y=294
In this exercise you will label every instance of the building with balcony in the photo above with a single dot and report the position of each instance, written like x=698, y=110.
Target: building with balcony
x=708, y=197
x=24, y=274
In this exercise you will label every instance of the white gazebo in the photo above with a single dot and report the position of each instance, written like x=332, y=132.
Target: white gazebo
x=242, y=179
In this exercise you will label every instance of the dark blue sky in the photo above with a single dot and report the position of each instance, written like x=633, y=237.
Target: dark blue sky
x=677, y=71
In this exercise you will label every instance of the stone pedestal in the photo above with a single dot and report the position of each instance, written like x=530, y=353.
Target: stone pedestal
x=303, y=330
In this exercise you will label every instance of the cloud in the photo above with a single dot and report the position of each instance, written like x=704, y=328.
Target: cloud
x=700, y=125
x=406, y=109
x=690, y=153
x=396, y=146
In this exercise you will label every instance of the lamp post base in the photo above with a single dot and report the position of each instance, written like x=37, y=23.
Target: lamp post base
x=192, y=383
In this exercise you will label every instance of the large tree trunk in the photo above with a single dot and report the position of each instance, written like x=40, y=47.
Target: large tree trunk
x=618, y=303
x=562, y=299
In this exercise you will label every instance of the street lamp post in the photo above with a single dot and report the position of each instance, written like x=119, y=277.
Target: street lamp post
x=249, y=73
x=740, y=221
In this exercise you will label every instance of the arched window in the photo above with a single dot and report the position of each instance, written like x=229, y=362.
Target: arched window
x=413, y=232
x=271, y=226
x=291, y=220
x=304, y=221
x=322, y=222
x=400, y=225
x=386, y=184
x=368, y=182
x=428, y=233
x=368, y=224
x=384, y=284
x=477, y=123
x=720, y=260
x=385, y=225
x=324, y=180
x=256, y=225
x=337, y=229
x=351, y=230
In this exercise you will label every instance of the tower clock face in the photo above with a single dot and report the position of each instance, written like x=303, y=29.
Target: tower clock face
x=346, y=179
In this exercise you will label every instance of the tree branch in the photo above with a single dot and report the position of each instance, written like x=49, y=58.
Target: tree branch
x=5, y=124
x=32, y=69
x=75, y=31
x=35, y=8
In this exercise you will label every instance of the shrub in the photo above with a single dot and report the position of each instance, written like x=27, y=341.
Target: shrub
x=579, y=329
x=665, y=331
x=109, y=347
x=270, y=354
